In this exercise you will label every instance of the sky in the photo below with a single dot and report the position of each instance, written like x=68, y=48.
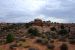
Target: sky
x=62, y=11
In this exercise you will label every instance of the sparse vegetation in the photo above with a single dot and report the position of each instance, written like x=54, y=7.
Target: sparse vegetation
x=9, y=38
x=50, y=47
x=63, y=33
x=64, y=47
x=72, y=39
x=27, y=25
x=33, y=32
x=33, y=49
x=45, y=35
x=53, y=29
x=42, y=41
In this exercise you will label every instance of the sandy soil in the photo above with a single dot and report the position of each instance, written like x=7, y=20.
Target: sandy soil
x=38, y=46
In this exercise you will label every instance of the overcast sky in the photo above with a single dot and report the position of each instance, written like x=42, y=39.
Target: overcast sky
x=27, y=10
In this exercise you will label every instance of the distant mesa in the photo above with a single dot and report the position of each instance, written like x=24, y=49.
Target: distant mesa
x=40, y=22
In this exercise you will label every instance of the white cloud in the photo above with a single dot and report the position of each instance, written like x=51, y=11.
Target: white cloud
x=29, y=5
x=27, y=10
x=53, y=19
x=40, y=17
x=53, y=4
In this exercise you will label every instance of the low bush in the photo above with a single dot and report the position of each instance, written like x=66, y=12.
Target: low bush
x=42, y=41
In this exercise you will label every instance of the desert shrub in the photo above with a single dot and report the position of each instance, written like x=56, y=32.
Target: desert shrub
x=11, y=47
x=42, y=41
x=50, y=47
x=51, y=41
x=63, y=32
x=23, y=40
x=53, y=29
x=9, y=38
x=53, y=32
x=48, y=35
x=72, y=39
x=62, y=26
x=33, y=32
x=33, y=49
x=64, y=47
x=27, y=25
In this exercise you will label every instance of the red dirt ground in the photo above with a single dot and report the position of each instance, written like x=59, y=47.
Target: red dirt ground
x=40, y=47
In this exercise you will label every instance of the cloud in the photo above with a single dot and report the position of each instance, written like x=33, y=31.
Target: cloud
x=53, y=19
x=27, y=10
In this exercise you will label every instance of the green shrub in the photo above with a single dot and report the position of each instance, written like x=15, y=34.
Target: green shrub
x=33, y=32
x=63, y=32
x=9, y=38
